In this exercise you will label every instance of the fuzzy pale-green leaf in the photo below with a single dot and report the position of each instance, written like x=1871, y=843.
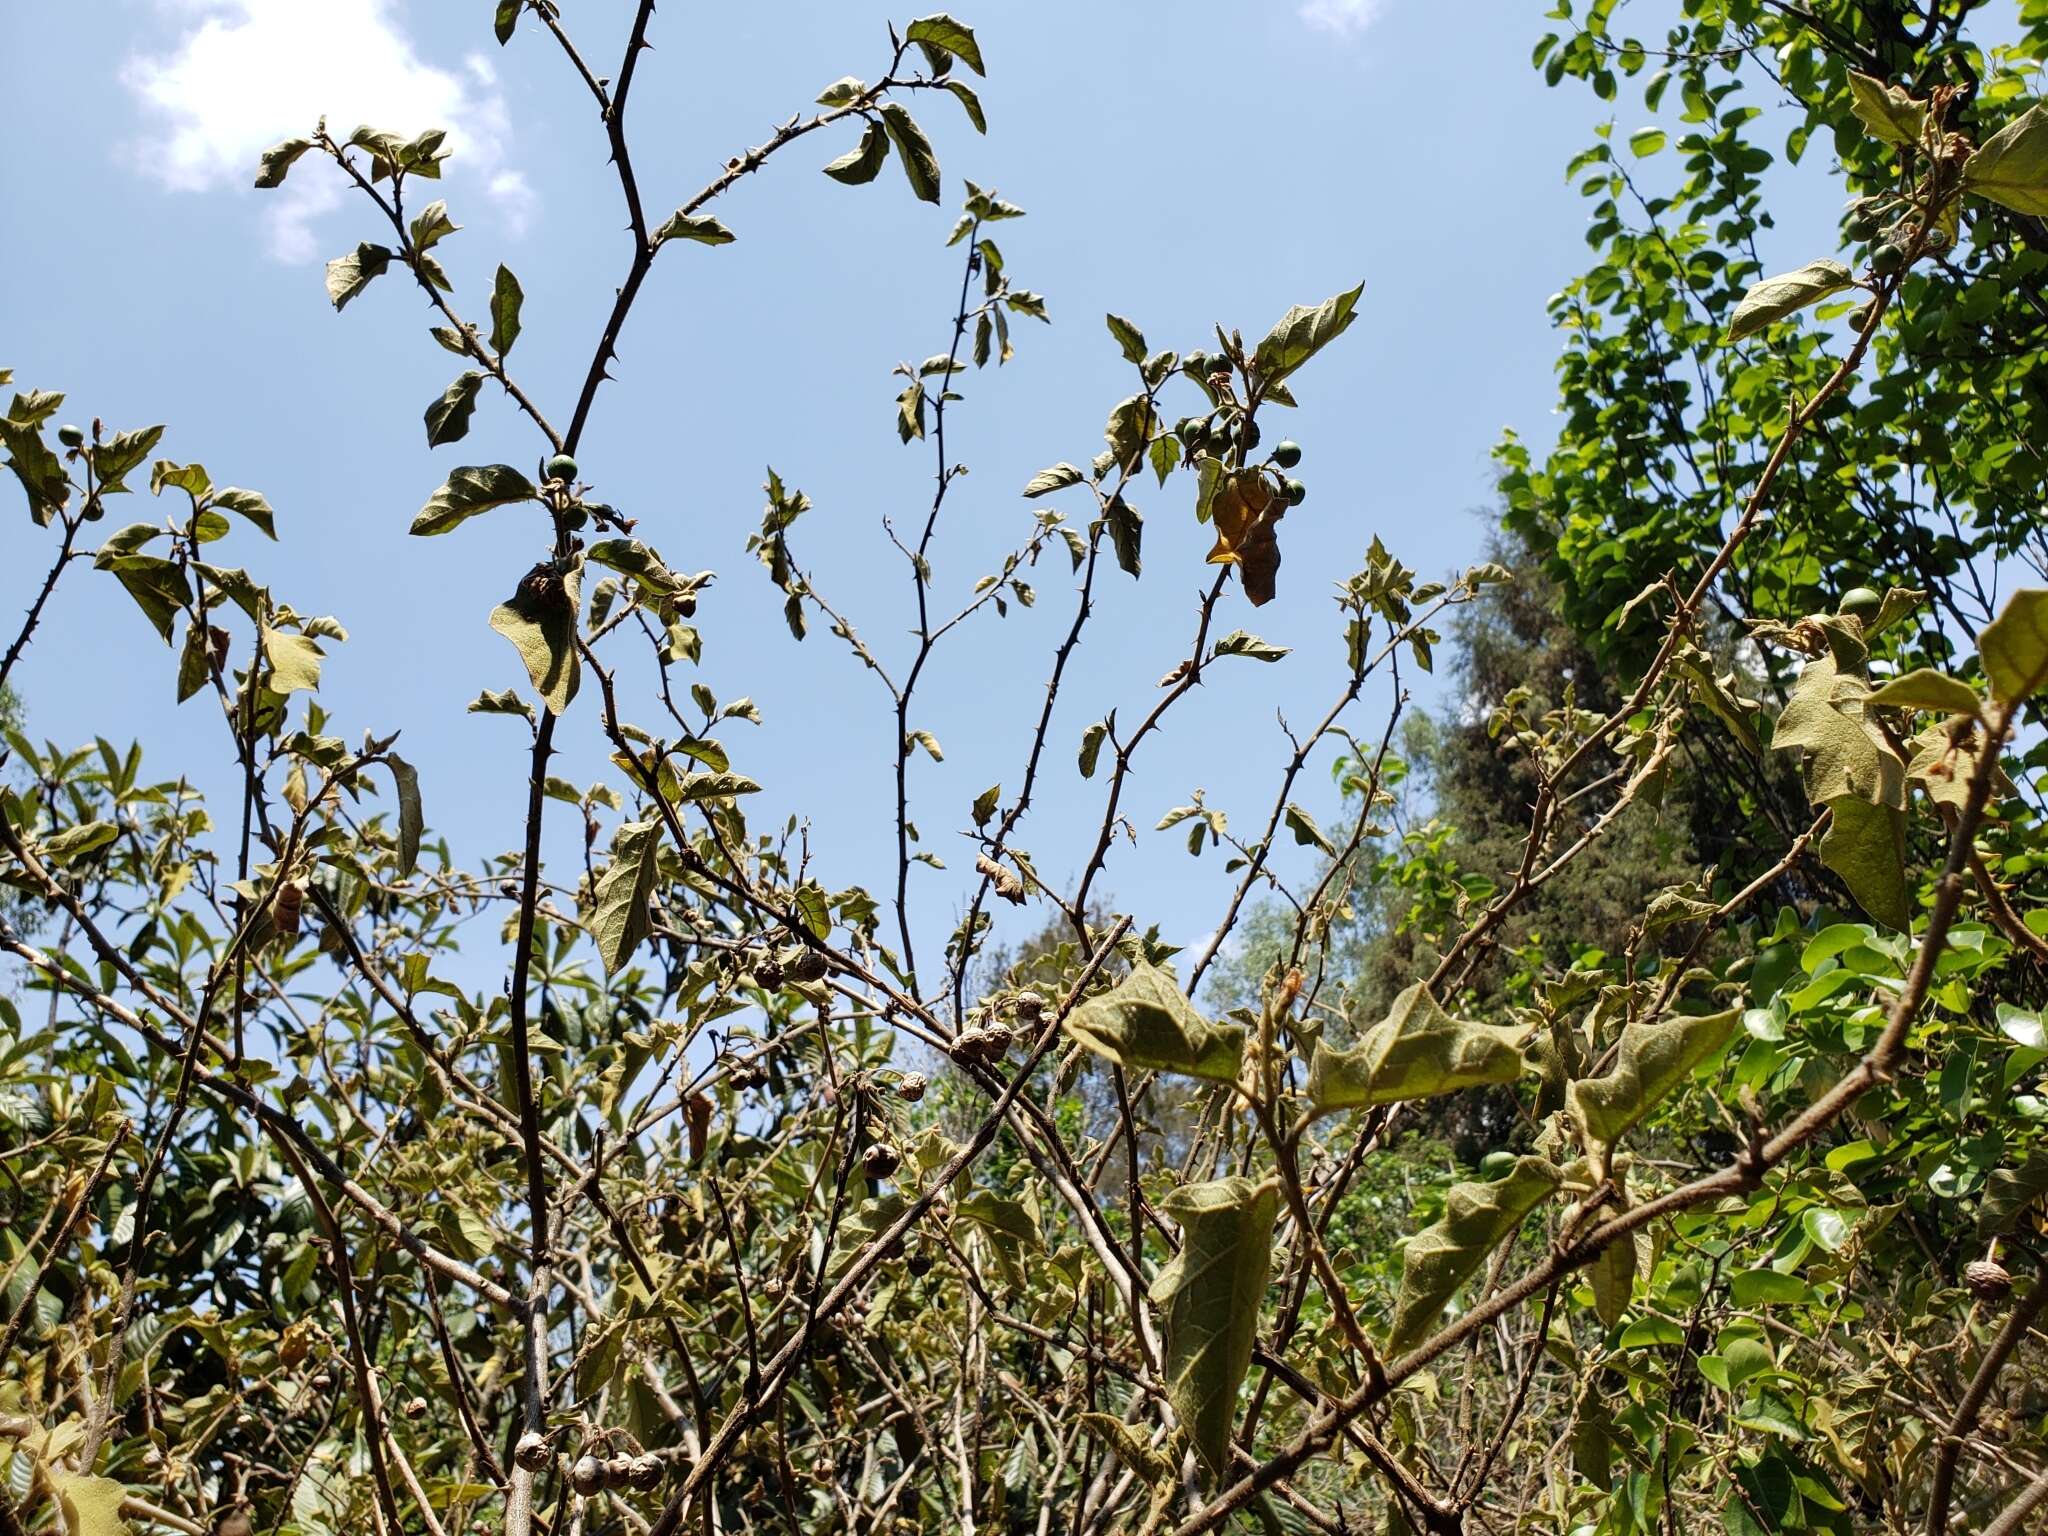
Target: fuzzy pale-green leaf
x=1146, y=1022
x=620, y=921
x=1654, y=1057
x=1211, y=1293
x=1776, y=297
x=1437, y=1260
x=1416, y=1052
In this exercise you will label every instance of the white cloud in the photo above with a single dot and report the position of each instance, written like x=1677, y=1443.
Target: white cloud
x=1341, y=18
x=243, y=74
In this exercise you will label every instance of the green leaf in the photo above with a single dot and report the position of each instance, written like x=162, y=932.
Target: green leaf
x=2011, y=167
x=249, y=504
x=1306, y=833
x=1239, y=643
x=1303, y=332
x=1211, y=1292
x=114, y=458
x=1846, y=753
x=1646, y=141
x=1776, y=297
x=1146, y=1022
x=2013, y=649
x=448, y=417
x=2007, y=1194
x=195, y=661
x=711, y=786
x=470, y=490
x=1057, y=478
x=39, y=470
x=1654, y=1058
x=985, y=803
x=506, y=20
x=278, y=161
x=91, y=1505
x=158, y=586
x=294, y=661
x=920, y=165
x=1155, y=1469
x=700, y=227
x=1888, y=112
x=1866, y=845
x=411, y=822
x=349, y=275
x=1091, y=746
x=970, y=103
x=621, y=922
x=841, y=91
x=861, y=163
x=1129, y=339
x=192, y=479
x=1437, y=1260
x=1126, y=532
x=1925, y=688
x=506, y=298
x=1416, y=1052
x=501, y=702
x=942, y=31
x=540, y=621
x=74, y=843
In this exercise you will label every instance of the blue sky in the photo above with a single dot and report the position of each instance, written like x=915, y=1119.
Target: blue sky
x=1217, y=160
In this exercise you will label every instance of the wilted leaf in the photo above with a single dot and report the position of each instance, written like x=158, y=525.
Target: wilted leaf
x=1146, y=1022
x=1653, y=1059
x=1239, y=643
x=74, y=843
x=1776, y=297
x=620, y=921
x=1416, y=1052
x=294, y=660
x=1846, y=753
x=1091, y=747
x=278, y=161
x=1211, y=1291
x=1245, y=511
x=349, y=275
x=540, y=621
x=700, y=227
x=1437, y=1260
x=2007, y=1194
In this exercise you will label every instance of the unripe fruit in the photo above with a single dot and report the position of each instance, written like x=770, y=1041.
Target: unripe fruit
x=1287, y=454
x=1860, y=318
x=1248, y=434
x=70, y=436
x=587, y=1475
x=561, y=467
x=1188, y=429
x=531, y=1452
x=1295, y=492
x=1886, y=260
x=1861, y=602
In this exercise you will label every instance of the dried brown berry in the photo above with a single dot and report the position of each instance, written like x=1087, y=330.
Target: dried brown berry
x=531, y=1452
x=804, y=965
x=912, y=1087
x=587, y=1475
x=618, y=1471
x=1988, y=1280
x=415, y=1407
x=645, y=1473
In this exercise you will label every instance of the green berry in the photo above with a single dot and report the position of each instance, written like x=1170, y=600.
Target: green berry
x=1287, y=454
x=1248, y=434
x=1294, y=491
x=1861, y=602
x=1189, y=430
x=561, y=467
x=1886, y=260
x=70, y=436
